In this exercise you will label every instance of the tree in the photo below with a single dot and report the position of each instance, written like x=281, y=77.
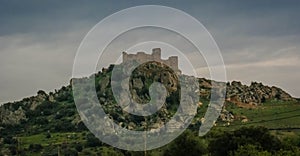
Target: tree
x=69, y=152
x=108, y=151
x=35, y=147
x=92, y=141
x=187, y=144
x=48, y=135
x=78, y=147
x=250, y=150
x=256, y=136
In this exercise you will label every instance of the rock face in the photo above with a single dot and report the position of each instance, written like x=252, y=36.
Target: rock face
x=140, y=81
x=14, y=113
x=144, y=75
x=8, y=117
x=236, y=92
x=255, y=94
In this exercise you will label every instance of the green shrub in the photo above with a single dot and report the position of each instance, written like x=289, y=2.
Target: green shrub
x=35, y=147
x=256, y=136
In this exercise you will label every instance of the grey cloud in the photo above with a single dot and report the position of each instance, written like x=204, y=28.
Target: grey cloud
x=28, y=65
x=38, y=40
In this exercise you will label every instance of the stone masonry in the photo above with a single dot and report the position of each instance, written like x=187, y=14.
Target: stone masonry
x=142, y=57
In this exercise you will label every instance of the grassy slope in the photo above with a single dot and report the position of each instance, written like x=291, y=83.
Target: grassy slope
x=282, y=118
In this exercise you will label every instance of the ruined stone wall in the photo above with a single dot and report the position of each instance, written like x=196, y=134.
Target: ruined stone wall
x=155, y=56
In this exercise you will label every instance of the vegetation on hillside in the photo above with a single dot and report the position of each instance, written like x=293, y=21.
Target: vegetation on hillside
x=49, y=124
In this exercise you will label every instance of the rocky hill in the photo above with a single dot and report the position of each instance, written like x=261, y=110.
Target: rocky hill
x=55, y=112
x=16, y=112
x=255, y=94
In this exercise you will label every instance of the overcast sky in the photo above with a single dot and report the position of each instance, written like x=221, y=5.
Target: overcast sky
x=259, y=40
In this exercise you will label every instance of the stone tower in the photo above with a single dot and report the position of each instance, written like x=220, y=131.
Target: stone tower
x=156, y=53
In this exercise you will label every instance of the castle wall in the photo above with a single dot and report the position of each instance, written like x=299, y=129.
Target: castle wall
x=155, y=56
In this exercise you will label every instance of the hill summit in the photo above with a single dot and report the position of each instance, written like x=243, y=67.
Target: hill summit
x=242, y=95
x=15, y=112
x=55, y=112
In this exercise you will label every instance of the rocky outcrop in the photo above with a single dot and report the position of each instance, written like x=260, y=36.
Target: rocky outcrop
x=255, y=94
x=8, y=117
x=144, y=75
x=236, y=92
x=226, y=116
x=13, y=113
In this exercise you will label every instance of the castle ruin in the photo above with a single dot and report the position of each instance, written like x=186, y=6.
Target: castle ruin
x=142, y=57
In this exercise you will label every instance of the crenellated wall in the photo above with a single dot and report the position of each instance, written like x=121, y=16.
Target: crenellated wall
x=142, y=57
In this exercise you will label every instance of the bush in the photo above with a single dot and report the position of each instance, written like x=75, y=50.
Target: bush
x=92, y=141
x=187, y=144
x=256, y=136
x=48, y=135
x=35, y=147
x=46, y=108
x=69, y=152
x=63, y=126
x=78, y=147
x=108, y=151
x=81, y=126
x=13, y=149
x=250, y=150
x=41, y=121
x=9, y=140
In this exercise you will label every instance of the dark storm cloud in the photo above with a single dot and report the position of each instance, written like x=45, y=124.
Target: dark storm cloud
x=259, y=40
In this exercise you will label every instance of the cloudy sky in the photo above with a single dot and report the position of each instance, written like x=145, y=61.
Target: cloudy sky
x=259, y=40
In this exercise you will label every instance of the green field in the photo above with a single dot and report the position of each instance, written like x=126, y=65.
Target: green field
x=278, y=116
x=281, y=118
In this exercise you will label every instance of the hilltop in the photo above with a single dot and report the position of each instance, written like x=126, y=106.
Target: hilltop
x=45, y=118
x=242, y=95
